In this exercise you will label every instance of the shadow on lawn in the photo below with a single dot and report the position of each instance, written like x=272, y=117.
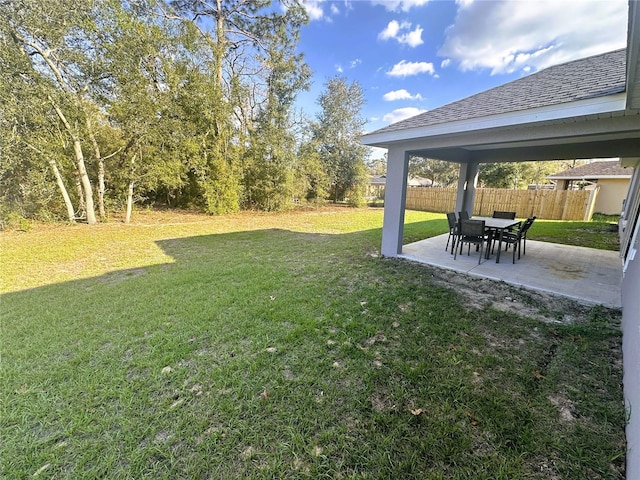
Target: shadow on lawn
x=274, y=353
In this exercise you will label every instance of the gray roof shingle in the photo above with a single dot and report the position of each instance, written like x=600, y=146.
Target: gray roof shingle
x=582, y=79
x=593, y=171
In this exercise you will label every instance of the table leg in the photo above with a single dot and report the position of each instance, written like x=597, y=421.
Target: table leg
x=499, y=246
x=487, y=254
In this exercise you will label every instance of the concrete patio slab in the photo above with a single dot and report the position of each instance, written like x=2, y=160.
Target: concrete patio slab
x=584, y=274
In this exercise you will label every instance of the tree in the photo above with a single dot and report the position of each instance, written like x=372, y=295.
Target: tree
x=336, y=132
x=271, y=159
x=518, y=174
x=29, y=143
x=440, y=172
x=52, y=36
x=378, y=166
x=256, y=75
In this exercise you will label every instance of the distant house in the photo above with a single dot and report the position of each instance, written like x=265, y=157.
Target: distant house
x=608, y=176
x=377, y=184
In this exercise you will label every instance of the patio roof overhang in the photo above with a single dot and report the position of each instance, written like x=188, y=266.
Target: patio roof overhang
x=590, y=129
x=599, y=121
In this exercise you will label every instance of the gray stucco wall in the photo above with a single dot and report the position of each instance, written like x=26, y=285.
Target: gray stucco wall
x=631, y=346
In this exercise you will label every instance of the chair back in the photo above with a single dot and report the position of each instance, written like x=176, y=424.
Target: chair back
x=451, y=218
x=527, y=224
x=472, y=228
x=463, y=215
x=506, y=215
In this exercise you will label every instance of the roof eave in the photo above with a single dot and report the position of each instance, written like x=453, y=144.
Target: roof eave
x=593, y=106
x=592, y=177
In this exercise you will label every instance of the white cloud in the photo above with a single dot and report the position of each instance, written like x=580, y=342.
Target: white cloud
x=402, y=33
x=400, y=5
x=314, y=9
x=355, y=63
x=405, y=69
x=391, y=31
x=400, y=95
x=529, y=36
x=445, y=63
x=339, y=68
x=413, y=39
x=401, y=114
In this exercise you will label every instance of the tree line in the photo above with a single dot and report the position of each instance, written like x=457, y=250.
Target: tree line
x=178, y=103
x=512, y=175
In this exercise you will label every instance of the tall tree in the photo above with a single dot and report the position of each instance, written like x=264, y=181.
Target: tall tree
x=28, y=142
x=52, y=36
x=271, y=159
x=254, y=68
x=337, y=131
x=440, y=172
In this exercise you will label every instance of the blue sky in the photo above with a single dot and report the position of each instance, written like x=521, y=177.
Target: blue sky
x=411, y=56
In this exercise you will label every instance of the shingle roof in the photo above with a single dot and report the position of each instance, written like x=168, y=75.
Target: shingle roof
x=583, y=79
x=593, y=171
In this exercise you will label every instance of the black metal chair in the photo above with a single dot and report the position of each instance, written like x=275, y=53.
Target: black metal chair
x=453, y=231
x=517, y=237
x=463, y=215
x=506, y=215
x=524, y=235
x=472, y=232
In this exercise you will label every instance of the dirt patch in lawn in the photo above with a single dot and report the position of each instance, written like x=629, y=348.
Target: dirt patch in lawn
x=481, y=292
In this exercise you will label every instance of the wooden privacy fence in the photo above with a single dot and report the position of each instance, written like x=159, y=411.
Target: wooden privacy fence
x=546, y=204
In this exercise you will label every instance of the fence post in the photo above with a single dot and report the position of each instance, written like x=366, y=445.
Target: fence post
x=591, y=203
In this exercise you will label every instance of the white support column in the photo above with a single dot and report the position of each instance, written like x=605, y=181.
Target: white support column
x=395, y=193
x=467, y=183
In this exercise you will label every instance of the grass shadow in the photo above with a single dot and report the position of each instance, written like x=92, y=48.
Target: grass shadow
x=280, y=354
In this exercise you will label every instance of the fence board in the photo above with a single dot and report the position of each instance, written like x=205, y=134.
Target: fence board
x=546, y=204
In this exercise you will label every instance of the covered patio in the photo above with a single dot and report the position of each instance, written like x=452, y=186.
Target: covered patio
x=587, y=108
x=584, y=274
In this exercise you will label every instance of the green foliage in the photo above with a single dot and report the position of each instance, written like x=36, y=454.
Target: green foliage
x=336, y=136
x=153, y=100
x=440, y=172
x=519, y=174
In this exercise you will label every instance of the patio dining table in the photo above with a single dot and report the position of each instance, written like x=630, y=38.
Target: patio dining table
x=497, y=225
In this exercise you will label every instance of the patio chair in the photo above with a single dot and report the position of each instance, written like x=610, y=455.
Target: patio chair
x=530, y=220
x=453, y=231
x=517, y=237
x=506, y=215
x=463, y=215
x=472, y=232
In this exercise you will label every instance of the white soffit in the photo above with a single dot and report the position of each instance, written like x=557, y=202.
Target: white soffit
x=612, y=104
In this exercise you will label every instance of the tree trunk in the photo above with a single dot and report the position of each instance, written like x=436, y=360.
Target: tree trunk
x=127, y=216
x=65, y=195
x=80, y=166
x=100, y=160
x=67, y=201
x=86, y=183
x=81, y=208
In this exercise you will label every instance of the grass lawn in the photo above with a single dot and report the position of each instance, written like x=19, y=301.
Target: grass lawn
x=283, y=346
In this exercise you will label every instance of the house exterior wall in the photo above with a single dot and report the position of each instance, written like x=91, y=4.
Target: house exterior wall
x=631, y=355
x=562, y=184
x=612, y=192
x=631, y=329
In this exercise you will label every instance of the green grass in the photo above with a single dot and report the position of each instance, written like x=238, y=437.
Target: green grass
x=283, y=346
x=601, y=233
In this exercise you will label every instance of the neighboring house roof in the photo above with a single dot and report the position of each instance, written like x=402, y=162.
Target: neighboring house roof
x=411, y=181
x=582, y=79
x=377, y=179
x=594, y=171
x=419, y=182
